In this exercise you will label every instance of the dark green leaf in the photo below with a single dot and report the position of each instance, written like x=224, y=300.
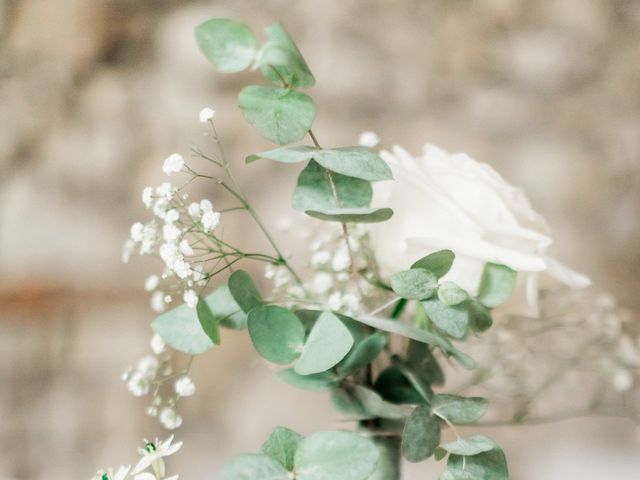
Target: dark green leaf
x=424, y=363
x=421, y=434
x=244, y=291
x=298, y=154
x=470, y=446
x=352, y=215
x=496, y=285
x=225, y=309
x=414, y=284
x=439, y=263
x=358, y=162
x=336, y=456
x=207, y=321
x=313, y=190
x=328, y=343
x=375, y=406
x=490, y=465
x=363, y=353
x=318, y=381
x=453, y=320
x=424, y=389
x=450, y=293
x=479, y=317
x=180, y=328
x=282, y=445
x=279, y=59
x=393, y=386
x=346, y=403
x=458, y=409
x=283, y=116
x=276, y=333
x=254, y=467
x=228, y=44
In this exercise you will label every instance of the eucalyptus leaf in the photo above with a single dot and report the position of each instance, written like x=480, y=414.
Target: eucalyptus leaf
x=180, y=328
x=453, y=320
x=283, y=116
x=414, y=284
x=300, y=153
x=229, y=45
x=244, y=291
x=424, y=389
x=254, y=467
x=352, y=215
x=490, y=465
x=225, y=309
x=451, y=294
x=374, y=405
x=282, y=445
x=317, y=381
x=470, y=446
x=424, y=363
x=459, y=409
x=280, y=59
x=394, y=387
x=479, y=317
x=208, y=322
x=328, y=343
x=439, y=263
x=336, y=456
x=421, y=434
x=363, y=353
x=346, y=403
x=276, y=333
x=314, y=192
x=496, y=284
x=358, y=162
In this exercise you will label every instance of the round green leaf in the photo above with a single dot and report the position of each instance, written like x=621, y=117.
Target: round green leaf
x=276, y=333
x=244, y=291
x=414, y=284
x=225, y=309
x=254, y=467
x=328, y=343
x=490, y=465
x=358, y=162
x=283, y=116
x=453, y=320
x=207, y=321
x=336, y=456
x=424, y=363
x=470, y=446
x=282, y=445
x=313, y=190
x=421, y=434
x=375, y=406
x=450, y=294
x=458, y=409
x=298, y=154
x=439, y=263
x=229, y=45
x=496, y=285
x=363, y=353
x=180, y=328
x=479, y=316
x=394, y=387
x=352, y=215
x=317, y=381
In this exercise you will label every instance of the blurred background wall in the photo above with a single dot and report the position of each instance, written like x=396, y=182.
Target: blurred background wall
x=95, y=94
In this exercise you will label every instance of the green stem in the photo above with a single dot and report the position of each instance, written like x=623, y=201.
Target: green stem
x=388, y=467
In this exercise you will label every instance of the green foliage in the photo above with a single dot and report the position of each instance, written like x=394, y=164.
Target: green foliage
x=283, y=116
x=358, y=162
x=496, y=285
x=313, y=191
x=280, y=60
x=414, y=284
x=363, y=353
x=469, y=446
x=353, y=215
x=375, y=406
x=393, y=386
x=225, y=309
x=421, y=434
x=490, y=465
x=453, y=320
x=229, y=45
x=328, y=343
x=424, y=363
x=439, y=263
x=254, y=467
x=276, y=333
x=300, y=153
x=317, y=381
x=414, y=378
x=458, y=409
x=208, y=321
x=244, y=291
x=451, y=294
x=282, y=445
x=479, y=316
x=336, y=456
x=180, y=328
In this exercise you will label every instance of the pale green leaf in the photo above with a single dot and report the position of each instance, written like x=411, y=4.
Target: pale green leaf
x=282, y=445
x=470, y=446
x=229, y=45
x=276, y=333
x=208, y=322
x=283, y=116
x=358, y=162
x=453, y=320
x=459, y=409
x=421, y=434
x=317, y=381
x=244, y=291
x=375, y=406
x=336, y=456
x=363, y=353
x=352, y=215
x=414, y=284
x=496, y=285
x=180, y=329
x=279, y=59
x=328, y=343
x=490, y=465
x=424, y=363
x=451, y=294
x=254, y=467
x=296, y=154
x=225, y=309
x=439, y=263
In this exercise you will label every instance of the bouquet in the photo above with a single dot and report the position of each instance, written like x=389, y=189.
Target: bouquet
x=411, y=259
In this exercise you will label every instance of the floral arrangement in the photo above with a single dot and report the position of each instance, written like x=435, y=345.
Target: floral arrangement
x=393, y=299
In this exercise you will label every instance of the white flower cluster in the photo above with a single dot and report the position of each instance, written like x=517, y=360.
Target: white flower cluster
x=153, y=455
x=149, y=374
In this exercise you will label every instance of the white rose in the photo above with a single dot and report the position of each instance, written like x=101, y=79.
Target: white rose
x=451, y=201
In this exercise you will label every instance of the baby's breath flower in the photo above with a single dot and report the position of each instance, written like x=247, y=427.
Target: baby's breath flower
x=190, y=297
x=170, y=419
x=207, y=114
x=174, y=163
x=170, y=232
x=368, y=139
x=165, y=191
x=147, y=196
x=320, y=258
x=184, y=387
x=210, y=220
x=157, y=302
x=194, y=209
x=341, y=260
x=151, y=282
x=185, y=248
x=137, y=230
x=172, y=216
x=157, y=344
x=322, y=282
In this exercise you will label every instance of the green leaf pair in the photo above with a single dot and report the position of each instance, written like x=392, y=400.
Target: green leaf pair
x=336, y=455
x=474, y=458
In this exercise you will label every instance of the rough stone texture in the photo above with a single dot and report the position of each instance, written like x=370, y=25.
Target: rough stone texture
x=93, y=95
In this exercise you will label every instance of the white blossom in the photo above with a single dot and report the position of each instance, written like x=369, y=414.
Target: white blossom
x=137, y=230
x=194, y=209
x=335, y=301
x=157, y=302
x=170, y=232
x=182, y=268
x=153, y=454
x=368, y=139
x=210, y=220
x=172, y=216
x=205, y=205
x=341, y=260
x=151, y=282
x=622, y=380
x=320, y=258
x=173, y=164
x=207, y=114
x=119, y=474
x=185, y=248
x=190, y=297
x=127, y=250
x=147, y=196
x=157, y=344
x=170, y=419
x=184, y=387
x=322, y=282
